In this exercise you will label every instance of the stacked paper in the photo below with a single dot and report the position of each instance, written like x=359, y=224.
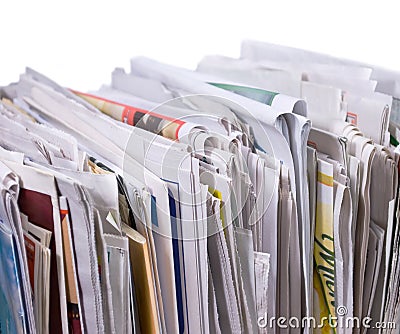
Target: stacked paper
x=253, y=195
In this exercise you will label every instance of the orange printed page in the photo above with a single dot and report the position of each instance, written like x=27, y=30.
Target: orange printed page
x=165, y=126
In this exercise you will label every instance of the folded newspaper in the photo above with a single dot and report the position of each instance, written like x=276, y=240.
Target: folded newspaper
x=252, y=195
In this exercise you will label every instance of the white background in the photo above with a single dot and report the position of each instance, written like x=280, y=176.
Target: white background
x=78, y=43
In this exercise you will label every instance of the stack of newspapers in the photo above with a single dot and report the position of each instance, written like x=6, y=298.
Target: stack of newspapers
x=253, y=195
